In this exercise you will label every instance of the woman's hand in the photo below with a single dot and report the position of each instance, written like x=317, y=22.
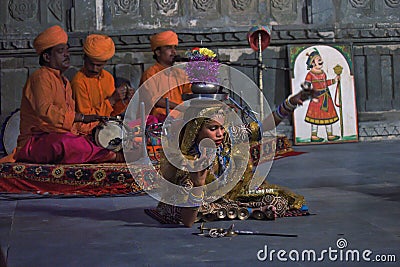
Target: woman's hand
x=201, y=167
x=306, y=93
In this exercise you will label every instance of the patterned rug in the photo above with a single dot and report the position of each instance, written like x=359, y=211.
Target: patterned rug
x=81, y=179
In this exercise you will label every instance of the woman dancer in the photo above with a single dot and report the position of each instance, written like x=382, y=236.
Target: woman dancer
x=211, y=122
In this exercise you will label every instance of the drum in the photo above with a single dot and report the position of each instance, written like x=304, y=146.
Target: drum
x=110, y=135
x=10, y=132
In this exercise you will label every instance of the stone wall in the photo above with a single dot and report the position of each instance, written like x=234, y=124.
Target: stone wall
x=370, y=27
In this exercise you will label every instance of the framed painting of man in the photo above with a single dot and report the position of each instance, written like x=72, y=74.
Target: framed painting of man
x=330, y=116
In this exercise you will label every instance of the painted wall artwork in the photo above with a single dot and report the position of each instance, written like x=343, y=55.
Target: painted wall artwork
x=330, y=116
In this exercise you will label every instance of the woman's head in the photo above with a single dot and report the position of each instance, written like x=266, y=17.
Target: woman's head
x=213, y=130
x=200, y=124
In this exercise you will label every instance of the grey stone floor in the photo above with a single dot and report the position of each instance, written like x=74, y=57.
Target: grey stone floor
x=352, y=189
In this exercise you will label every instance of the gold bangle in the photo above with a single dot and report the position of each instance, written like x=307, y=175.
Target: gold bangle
x=289, y=105
x=201, y=196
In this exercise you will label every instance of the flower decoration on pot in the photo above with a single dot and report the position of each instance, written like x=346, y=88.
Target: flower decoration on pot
x=203, y=66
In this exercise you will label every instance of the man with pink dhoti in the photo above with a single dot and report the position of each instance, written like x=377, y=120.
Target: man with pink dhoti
x=48, y=132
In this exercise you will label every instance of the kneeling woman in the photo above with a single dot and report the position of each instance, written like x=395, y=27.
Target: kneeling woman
x=211, y=123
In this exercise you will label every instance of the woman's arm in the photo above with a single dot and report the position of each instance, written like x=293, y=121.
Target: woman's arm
x=196, y=194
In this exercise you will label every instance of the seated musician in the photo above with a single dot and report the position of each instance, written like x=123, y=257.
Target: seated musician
x=93, y=87
x=169, y=85
x=48, y=120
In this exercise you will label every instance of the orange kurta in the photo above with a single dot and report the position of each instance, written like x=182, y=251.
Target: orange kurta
x=91, y=97
x=176, y=80
x=46, y=105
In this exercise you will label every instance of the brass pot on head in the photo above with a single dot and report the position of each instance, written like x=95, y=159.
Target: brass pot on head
x=205, y=88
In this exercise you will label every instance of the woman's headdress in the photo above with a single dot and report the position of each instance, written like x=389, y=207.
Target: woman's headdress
x=195, y=119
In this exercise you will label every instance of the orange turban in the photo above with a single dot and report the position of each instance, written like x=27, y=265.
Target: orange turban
x=99, y=47
x=53, y=36
x=163, y=39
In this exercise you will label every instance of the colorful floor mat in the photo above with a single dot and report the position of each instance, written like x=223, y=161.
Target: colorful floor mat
x=82, y=179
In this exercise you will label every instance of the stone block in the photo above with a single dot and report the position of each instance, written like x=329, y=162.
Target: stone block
x=11, y=63
x=12, y=83
x=123, y=71
x=76, y=59
x=70, y=73
x=84, y=16
x=127, y=58
x=31, y=61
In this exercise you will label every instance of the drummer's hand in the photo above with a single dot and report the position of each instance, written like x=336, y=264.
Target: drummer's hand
x=129, y=94
x=91, y=118
x=119, y=94
x=121, y=91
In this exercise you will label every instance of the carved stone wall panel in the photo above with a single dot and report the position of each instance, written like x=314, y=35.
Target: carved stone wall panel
x=391, y=10
x=205, y=6
x=244, y=12
x=23, y=10
x=122, y=14
x=56, y=9
x=167, y=8
x=205, y=13
x=32, y=16
x=392, y=3
x=284, y=12
x=20, y=16
x=125, y=7
x=242, y=7
x=369, y=11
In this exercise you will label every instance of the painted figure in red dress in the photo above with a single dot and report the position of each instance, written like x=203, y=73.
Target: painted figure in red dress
x=321, y=109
